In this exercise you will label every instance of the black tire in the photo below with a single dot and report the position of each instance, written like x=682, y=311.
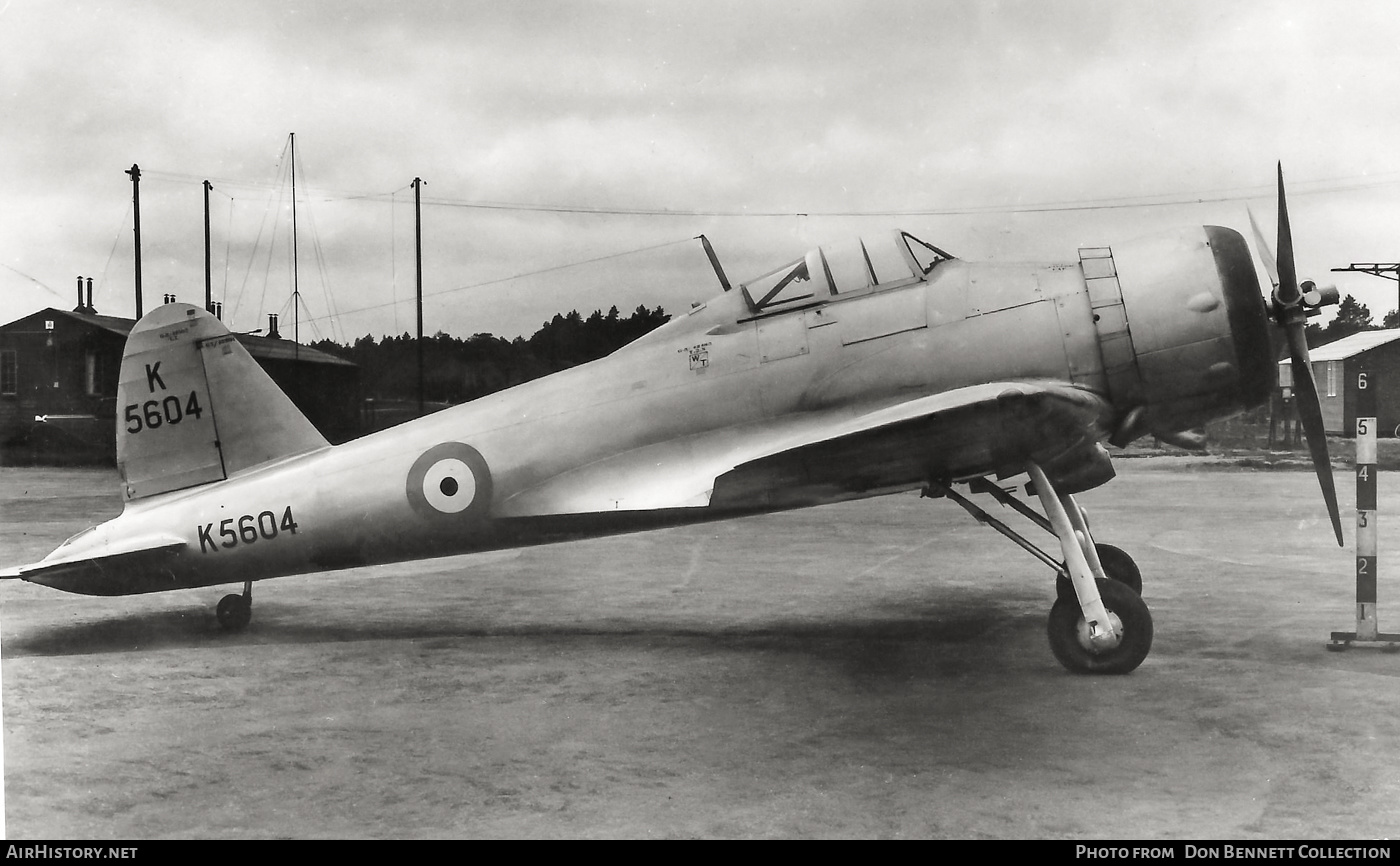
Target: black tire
x=1068, y=637
x=1118, y=565
x=1064, y=588
x=234, y=612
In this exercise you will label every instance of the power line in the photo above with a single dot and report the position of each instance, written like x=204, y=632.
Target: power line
x=1329, y=185
x=1159, y=200
x=33, y=280
x=521, y=276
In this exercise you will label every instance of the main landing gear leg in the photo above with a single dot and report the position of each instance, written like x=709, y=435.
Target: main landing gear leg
x=235, y=611
x=1106, y=627
x=1113, y=562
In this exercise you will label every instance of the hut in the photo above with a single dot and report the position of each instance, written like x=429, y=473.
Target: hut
x=1334, y=372
x=58, y=385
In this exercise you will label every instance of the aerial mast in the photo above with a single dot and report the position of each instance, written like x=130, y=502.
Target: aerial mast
x=135, y=173
x=418, y=259
x=296, y=294
x=208, y=284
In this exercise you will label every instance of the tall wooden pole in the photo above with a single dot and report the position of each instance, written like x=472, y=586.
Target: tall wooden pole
x=135, y=173
x=208, y=283
x=296, y=293
x=418, y=259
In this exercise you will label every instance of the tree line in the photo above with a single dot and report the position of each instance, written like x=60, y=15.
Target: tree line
x=1352, y=318
x=456, y=369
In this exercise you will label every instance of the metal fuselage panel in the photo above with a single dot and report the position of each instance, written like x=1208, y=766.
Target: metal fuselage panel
x=636, y=439
x=707, y=380
x=644, y=437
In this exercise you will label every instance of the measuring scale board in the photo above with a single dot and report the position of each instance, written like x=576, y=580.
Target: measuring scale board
x=1367, y=629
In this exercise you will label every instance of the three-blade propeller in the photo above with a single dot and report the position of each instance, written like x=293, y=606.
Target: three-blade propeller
x=1288, y=311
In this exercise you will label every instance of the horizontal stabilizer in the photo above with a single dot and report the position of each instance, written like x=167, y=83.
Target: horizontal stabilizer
x=68, y=555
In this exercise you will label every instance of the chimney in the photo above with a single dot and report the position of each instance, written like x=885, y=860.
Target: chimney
x=218, y=310
x=272, y=326
x=80, y=308
x=90, y=307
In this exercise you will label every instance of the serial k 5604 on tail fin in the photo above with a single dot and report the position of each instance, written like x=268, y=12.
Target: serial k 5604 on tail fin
x=196, y=408
x=878, y=365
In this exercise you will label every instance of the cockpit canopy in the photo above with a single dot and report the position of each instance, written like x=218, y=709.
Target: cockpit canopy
x=878, y=262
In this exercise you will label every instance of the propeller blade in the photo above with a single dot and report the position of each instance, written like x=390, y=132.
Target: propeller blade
x=1310, y=413
x=1293, y=318
x=1287, y=292
x=1266, y=254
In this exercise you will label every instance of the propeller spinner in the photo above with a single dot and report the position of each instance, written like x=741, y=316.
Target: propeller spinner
x=1289, y=311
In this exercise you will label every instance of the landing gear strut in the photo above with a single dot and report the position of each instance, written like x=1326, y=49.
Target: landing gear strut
x=235, y=611
x=1099, y=623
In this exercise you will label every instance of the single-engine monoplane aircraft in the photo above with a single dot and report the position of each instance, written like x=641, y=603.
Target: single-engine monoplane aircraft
x=870, y=367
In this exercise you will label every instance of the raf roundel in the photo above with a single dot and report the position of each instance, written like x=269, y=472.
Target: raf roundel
x=450, y=480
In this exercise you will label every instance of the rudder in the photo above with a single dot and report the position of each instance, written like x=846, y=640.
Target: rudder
x=194, y=407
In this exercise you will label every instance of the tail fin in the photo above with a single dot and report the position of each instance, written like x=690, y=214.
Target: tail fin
x=194, y=407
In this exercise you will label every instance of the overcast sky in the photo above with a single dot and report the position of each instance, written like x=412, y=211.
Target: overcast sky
x=971, y=124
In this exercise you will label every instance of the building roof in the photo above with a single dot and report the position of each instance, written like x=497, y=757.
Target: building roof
x=266, y=348
x=1350, y=347
x=115, y=324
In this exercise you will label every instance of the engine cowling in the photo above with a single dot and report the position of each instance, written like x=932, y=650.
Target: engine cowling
x=1183, y=329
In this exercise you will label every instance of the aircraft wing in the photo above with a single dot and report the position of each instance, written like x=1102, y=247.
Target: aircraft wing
x=823, y=454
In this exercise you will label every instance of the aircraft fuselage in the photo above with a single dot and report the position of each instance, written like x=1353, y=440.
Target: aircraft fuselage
x=635, y=440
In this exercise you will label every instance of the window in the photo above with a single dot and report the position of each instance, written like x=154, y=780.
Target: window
x=93, y=373
x=848, y=266
x=887, y=260
x=853, y=266
x=927, y=255
x=787, y=285
x=1332, y=374
x=9, y=372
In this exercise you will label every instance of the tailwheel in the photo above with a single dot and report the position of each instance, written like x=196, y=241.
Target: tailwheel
x=1131, y=620
x=236, y=611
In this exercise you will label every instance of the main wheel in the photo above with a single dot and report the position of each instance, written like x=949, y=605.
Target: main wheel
x=1069, y=634
x=234, y=612
x=1118, y=565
